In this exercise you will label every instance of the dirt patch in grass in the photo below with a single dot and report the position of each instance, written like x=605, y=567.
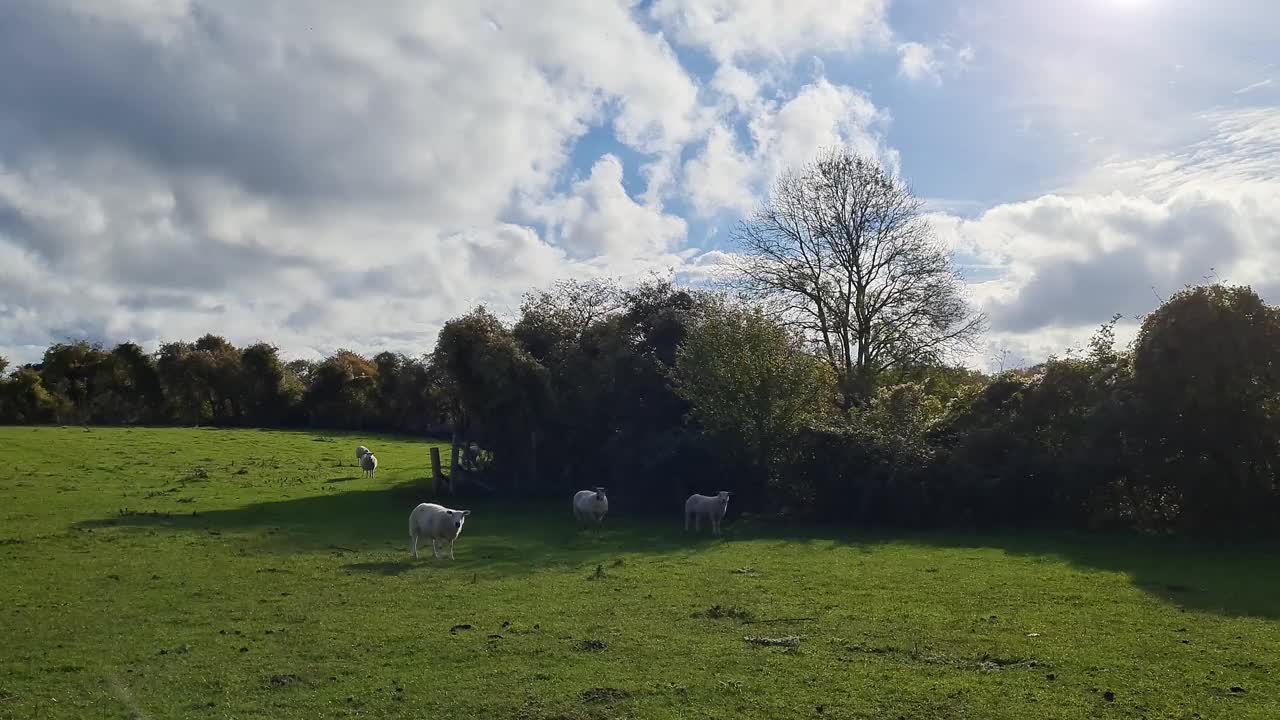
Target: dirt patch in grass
x=284, y=680
x=603, y=695
x=718, y=612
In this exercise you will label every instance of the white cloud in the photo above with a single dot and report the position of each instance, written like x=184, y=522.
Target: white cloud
x=733, y=30
x=1130, y=234
x=316, y=174
x=918, y=62
x=785, y=135
x=721, y=177
x=1253, y=86
x=598, y=219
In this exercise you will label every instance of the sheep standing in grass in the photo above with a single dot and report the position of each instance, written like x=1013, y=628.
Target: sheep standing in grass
x=590, y=505
x=712, y=506
x=361, y=451
x=369, y=463
x=438, y=523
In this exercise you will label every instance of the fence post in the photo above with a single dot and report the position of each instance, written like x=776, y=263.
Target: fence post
x=436, y=475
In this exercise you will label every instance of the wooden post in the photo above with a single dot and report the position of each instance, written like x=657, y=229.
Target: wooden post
x=437, y=477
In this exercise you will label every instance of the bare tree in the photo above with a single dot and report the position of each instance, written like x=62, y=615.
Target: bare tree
x=842, y=250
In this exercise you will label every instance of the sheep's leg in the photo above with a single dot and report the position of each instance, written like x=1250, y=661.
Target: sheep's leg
x=414, y=545
x=451, y=549
x=715, y=526
x=435, y=549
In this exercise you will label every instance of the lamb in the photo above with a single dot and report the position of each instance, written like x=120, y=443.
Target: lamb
x=713, y=507
x=590, y=505
x=361, y=451
x=438, y=523
x=369, y=463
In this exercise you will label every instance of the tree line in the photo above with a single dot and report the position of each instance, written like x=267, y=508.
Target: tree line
x=213, y=382
x=815, y=384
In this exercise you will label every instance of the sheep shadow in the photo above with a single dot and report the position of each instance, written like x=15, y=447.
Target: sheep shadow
x=390, y=568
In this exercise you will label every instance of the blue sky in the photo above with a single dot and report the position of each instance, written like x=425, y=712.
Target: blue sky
x=320, y=176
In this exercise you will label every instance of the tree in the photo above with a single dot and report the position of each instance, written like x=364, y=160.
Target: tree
x=842, y=250
x=128, y=387
x=218, y=362
x=750, y=384
x=553, y=320
x=1206, y=386
x=70, y=370
x=268, y=390
x=342, y=392
x=184, y=388
x=501, y=393
x=25, y=399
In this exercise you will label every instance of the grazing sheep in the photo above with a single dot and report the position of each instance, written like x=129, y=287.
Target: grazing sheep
x=713, y=507
x=438, y=523
x=361, y=451
x=369, y=463
x=590, y=505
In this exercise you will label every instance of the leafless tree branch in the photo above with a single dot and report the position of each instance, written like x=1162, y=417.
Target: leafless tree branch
x=842, y=252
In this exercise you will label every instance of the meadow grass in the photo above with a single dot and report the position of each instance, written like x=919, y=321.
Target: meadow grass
x=201, y=573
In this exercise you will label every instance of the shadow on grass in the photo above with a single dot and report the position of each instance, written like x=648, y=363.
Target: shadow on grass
x=504, y=539
x=501, y=538
x=1233, y=579
x=382, y=568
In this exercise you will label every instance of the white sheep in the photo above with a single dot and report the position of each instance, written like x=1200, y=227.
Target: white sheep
x=713, y=506
x=369, y=463
x=361, y=451
x=438, y=523
x=590, y=505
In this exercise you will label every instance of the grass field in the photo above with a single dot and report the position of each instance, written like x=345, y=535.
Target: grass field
x=247, y=574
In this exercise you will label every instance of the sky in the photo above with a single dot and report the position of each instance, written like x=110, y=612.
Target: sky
x=322, y=174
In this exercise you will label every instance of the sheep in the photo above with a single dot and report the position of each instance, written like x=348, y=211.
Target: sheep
x=369, y=463
x=713, y=506
x=361, y=451
x=438, y=523
x=590, y=505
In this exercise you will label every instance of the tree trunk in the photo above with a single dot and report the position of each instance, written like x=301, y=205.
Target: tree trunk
x=533, y=458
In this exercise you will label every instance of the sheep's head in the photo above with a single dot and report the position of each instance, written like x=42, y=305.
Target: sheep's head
x=600, y=494
x=723, y=496
x=457, y=518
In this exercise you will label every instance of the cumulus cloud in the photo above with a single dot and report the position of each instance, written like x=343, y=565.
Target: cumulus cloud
x=320, y=174
x=733, y=30
x=314, y=173
x=725, y=175
x=1131, y=234
x=598, y=219
x=918, y=62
